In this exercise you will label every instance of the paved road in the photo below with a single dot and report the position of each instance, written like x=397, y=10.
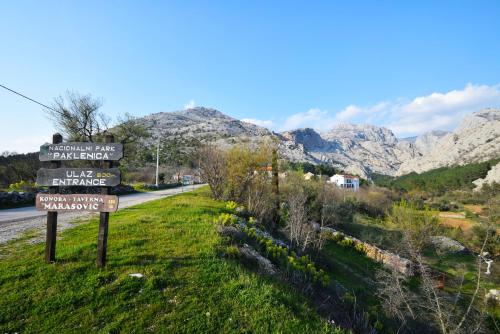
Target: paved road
x=14, y=222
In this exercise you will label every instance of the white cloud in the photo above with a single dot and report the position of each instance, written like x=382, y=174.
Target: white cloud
x=190, y=105
x=441, y=110
x=436, y=111
x=259, y=122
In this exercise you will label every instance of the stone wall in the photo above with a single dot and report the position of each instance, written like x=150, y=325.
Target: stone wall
x=388, y=259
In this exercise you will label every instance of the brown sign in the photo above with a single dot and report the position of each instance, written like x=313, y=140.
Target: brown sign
x=86, y=177
x=77, y=202
x=81, y=151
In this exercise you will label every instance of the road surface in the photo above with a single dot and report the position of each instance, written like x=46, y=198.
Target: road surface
x=14, y=222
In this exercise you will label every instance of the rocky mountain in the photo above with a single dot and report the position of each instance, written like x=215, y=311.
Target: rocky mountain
x=357, y=149
x=204, y=124
x=476, y=139
x=426, y=142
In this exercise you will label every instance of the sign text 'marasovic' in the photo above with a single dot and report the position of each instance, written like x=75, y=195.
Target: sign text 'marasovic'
x=85, y=177
x=77, y=202
x=81, y=151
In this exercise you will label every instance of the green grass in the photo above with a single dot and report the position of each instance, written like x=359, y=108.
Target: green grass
x=186, y=288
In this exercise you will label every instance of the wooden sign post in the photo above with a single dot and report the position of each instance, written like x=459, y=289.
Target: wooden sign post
x=50, y=242
x=102, y=237
x=105, y=177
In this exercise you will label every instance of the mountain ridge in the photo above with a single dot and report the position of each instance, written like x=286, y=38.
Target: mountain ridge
x=360, y=149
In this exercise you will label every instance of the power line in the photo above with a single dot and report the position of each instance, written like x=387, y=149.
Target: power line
x=28, y=98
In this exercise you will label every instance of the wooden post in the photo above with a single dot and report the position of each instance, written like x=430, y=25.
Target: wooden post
x=50, y=241
x=275, y=187
x=102, y=238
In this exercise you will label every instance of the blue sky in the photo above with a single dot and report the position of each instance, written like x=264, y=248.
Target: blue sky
x=409, y=66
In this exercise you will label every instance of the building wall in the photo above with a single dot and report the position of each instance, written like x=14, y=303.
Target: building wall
x=345, y=182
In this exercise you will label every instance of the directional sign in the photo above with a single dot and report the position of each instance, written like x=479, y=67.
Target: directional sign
x=81, y=151
x=77, y=202
x=86, y=177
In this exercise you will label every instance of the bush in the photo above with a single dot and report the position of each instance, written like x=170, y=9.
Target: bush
x=347, y=243
x=226, y=219
x=23, y=186
x=360, y=248
x=301, y=265
x=151, y=187
x=231, y=206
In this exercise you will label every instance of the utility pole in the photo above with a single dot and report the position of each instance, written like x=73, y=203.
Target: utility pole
x=157, y=159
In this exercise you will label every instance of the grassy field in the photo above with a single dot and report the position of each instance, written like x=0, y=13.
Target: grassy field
x=186, y=288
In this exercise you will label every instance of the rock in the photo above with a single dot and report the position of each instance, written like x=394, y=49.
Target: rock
x=315, y=226
x=251, y=255
x=476, y=139
x=426, y=142
x=492, y=176
x=448, y=245
x=493, y=296
x=357, y=149
x=388, y=259
x=231, y=231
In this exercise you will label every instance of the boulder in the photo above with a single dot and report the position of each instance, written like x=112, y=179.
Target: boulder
x=252, y=256
x=448, y=245
x=231, y=231
x=493, y=296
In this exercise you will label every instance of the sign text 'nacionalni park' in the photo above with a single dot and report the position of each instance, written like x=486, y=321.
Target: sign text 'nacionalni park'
x=81, y=151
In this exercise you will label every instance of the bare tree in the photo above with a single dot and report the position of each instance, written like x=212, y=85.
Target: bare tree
x=212, y=163
x=78, y=116
x=449, y=313
x=131, y=133
x=301, y=232
x=327, y=198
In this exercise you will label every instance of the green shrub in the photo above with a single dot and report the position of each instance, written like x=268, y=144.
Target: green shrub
x=360, y=248
x=23, y=186
x=347, y=243
x=231, y=206
x=232, y=252
x=291, y=262
x=226, y=219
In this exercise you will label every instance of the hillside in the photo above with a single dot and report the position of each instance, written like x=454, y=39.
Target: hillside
x=202, y=124
x=187, y=286
x=439, y=180
x=476, y=139
x=359, y=149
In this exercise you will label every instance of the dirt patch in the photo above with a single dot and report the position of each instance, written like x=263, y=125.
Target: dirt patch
x=477, y=209
x=464, y=223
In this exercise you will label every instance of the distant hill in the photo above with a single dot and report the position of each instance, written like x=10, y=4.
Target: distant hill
x=202, y=124
x=439, y=180
x=358, y=149
x=476, y=139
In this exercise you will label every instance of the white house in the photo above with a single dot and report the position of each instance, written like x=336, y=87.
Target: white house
x=345, y=181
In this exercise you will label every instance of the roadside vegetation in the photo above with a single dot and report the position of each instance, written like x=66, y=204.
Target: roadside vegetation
x=445, y=292
x=187, y=286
